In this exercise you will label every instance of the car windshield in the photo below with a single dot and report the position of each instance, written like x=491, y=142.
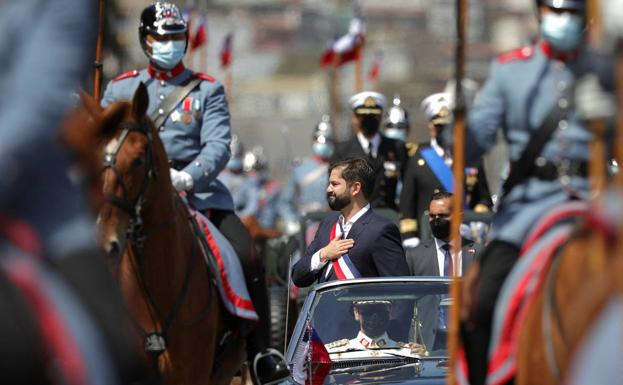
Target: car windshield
x=397, y=316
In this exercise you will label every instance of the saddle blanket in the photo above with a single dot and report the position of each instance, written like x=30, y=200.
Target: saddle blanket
x=227, y=270
x=523, y=282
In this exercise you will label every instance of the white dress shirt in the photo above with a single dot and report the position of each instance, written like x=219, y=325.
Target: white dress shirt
x=441, y=257
x=365, y=143
x=441, y=152
x=316, y=263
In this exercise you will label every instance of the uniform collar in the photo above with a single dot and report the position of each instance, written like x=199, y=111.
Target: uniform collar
x=366, y=341
x=561, y=56
x=165, y=75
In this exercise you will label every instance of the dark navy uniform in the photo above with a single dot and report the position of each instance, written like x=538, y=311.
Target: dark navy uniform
x=420, y=183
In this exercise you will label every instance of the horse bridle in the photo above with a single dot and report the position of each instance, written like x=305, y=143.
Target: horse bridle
x=154, y=341
x=132, y=207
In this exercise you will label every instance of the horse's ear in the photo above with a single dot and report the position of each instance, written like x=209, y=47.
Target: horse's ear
x=90, y=104
x=140, y=102
x=111, y=119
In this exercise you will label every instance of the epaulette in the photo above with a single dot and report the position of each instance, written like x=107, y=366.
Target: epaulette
x=412, y=148
x=205, y=77
x=337, y=344
x=129, y=74
x=522, y=53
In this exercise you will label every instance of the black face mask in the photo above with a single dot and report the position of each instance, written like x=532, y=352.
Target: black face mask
x=375, y=324
x=370, y=125
x=440, y=228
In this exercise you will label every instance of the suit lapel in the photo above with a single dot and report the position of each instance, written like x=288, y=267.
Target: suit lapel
x=432, y=261
x=359, y=224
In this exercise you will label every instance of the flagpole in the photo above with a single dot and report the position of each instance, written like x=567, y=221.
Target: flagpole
x=359, y=70
x=334, y=97
x=459, y=171
x=597, y=149
x=98, y=66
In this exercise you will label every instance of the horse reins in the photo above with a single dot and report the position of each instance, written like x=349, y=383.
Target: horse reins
x=154, y=342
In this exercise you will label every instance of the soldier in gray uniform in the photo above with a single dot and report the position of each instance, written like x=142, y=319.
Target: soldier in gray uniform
x=306, y=190
x=524, y=87
x=196, y=134
x=244, y=190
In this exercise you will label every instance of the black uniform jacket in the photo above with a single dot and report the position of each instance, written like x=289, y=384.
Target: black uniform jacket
x=388, y=167
x=419, y=183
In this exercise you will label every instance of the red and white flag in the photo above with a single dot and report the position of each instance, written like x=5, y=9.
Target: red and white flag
x=200, y=36
x=347, y=47
x=226, y=50
x=375, y=68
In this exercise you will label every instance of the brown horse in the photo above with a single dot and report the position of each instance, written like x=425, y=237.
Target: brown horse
x=576, y=288
x=153, y=246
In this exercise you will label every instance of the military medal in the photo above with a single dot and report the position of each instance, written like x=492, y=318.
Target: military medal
x=176, y=116
x=187, y=107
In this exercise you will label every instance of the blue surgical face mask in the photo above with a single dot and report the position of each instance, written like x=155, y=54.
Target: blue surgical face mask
x=563, y=31
x=323, y=150
x=396, y=133
x=167, y=54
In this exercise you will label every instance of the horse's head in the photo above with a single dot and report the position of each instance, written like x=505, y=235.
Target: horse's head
x=132, y=156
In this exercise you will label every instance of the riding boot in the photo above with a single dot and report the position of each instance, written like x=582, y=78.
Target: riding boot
x=268, y=365
x=497, y=260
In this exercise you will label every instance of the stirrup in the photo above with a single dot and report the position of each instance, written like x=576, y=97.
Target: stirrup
x=266, y=353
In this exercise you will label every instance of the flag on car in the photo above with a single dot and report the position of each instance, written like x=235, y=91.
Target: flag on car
x=226, y=50
x=311, y=361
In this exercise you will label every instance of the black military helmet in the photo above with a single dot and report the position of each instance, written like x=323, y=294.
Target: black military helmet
x=397, y=117
x=161, y=19
x=576, y=5
x=323, y=132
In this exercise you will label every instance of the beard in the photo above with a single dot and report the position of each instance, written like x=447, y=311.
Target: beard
x=338, y=202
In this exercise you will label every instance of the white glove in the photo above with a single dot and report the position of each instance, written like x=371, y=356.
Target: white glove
x=591, y=100
x=181, y=180
x=410, y=243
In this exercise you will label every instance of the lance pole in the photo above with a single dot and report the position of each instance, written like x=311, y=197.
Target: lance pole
x=334, y=96
x=359, y=69
x=97, y=65
x=459, y=171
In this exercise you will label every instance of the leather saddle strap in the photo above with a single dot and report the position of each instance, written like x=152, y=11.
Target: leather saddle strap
x=173, y=99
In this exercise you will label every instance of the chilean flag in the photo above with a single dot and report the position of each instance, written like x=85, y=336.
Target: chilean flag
x=311, y=361
x=375, y=68
x=226, y=50
x=199, y=38
x=347, y=47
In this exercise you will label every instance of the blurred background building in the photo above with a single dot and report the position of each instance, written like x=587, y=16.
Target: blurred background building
x=279, y=91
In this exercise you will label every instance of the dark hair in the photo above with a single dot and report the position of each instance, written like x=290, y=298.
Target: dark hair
x=441, y=195
x=357, y=170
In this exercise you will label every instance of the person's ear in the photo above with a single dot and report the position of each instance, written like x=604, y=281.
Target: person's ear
x=355, y=188
x=357, y=314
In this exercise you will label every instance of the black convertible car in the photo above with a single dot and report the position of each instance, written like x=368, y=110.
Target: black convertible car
x=372, y=331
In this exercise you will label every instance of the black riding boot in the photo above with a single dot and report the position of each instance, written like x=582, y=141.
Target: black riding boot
x=497, y=260
x=267, y=364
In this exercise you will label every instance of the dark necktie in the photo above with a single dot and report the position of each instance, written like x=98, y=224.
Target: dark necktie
x=447, y=272
x=370, y=150
x=447, y=260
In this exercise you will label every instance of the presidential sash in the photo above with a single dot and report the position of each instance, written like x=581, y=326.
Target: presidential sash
x=344, y=268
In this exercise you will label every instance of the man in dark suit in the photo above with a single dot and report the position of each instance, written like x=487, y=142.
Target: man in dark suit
x=387, y=156
x=357, y=242
x=428, y=171
x=432, y=256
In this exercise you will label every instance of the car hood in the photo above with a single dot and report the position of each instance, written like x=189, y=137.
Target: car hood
x=429, y=371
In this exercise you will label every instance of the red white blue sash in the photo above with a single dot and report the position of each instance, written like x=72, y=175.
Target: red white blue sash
x=344, y=268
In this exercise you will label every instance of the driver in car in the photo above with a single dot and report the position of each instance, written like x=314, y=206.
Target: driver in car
x=373, y=319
